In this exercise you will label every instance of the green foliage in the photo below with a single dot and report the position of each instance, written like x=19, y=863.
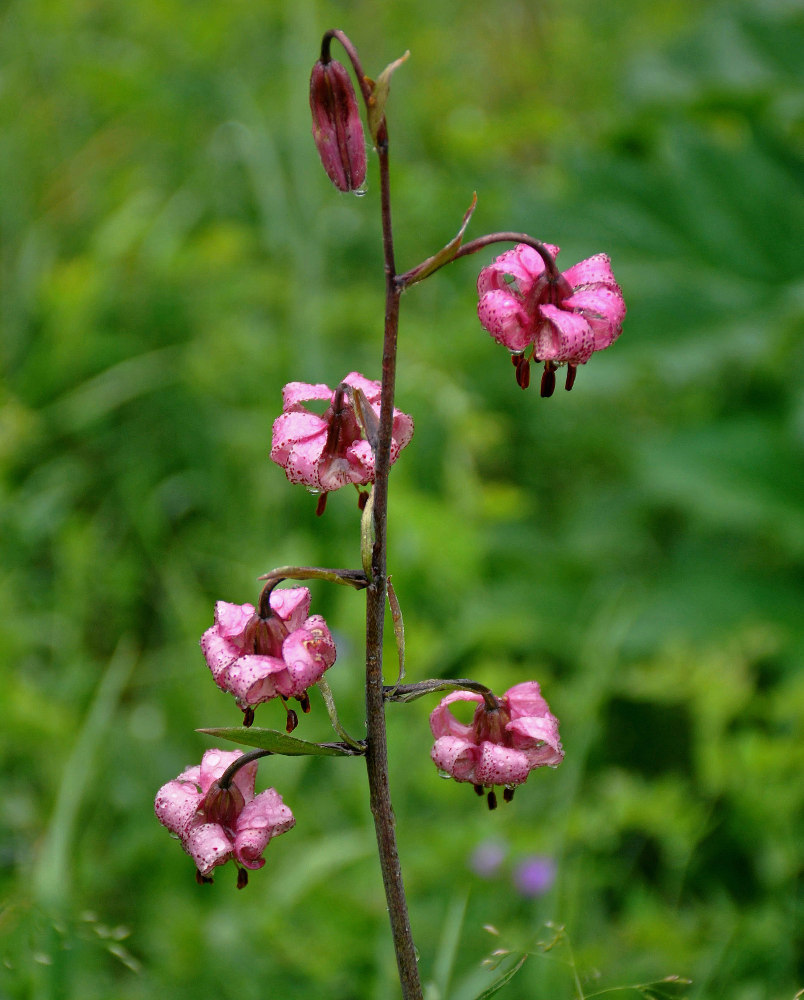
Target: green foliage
x=171, y=255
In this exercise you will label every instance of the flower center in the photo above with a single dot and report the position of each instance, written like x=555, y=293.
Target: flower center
x=264, y=636
x=489, y=725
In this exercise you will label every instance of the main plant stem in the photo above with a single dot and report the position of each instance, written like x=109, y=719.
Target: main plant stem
x=377, y=753
x=377, y=741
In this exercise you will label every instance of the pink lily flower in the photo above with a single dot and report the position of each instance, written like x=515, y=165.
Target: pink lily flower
x=257, y=659
x=500, y=746
x=558, y=321
x=329, y=451
x=216, y=824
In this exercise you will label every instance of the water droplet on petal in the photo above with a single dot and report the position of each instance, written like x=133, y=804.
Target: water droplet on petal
x=443, y=774
x=359, y=192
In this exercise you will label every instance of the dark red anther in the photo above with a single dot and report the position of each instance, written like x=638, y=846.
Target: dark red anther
x=242, y=878
x=292, y=721
x=523, y=372
x=202, y=879
x=572, y=371
x=320, y=507
x=548, y=379
x=362, y=499
x=508, y=794
x=491, y=798
x=304, y=701
x=248, y=716
x=478, y=789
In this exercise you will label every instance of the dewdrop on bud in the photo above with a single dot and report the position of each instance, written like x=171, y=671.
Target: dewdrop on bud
x=337, y=129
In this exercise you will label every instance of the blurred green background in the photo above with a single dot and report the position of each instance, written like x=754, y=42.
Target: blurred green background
x=172, y=254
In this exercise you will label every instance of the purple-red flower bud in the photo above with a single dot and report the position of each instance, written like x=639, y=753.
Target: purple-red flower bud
x=337, y=128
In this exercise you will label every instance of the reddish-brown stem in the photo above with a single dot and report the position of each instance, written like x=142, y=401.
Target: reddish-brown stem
x=377, y=743
x=550, y=266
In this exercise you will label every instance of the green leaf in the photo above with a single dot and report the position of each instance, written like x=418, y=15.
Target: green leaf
x=503, y=980
x=444, y=255
x=276, y=742
x=376, y=111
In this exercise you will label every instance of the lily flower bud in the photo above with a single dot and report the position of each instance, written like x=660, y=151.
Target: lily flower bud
x=337, y=128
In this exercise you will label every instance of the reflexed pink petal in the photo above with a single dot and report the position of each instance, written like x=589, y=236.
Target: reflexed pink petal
x=605, y=311
x=295, y=393
x=304, y=665
x=530, y=732
x=322, y=638
x=176, y=804
x=544, y=756
x=253, y=679
x=444, y=723
x=292, y=604
x=215, y=762
x=402, y=432
x=593, y=270
x=564, y=337
x=501, y=765
x=526, y=699
x=265, y=817
x=231, y=619
x=219, y=653
x=208, y=846
x=371, y=388
x=504, y=316
x=455, y=756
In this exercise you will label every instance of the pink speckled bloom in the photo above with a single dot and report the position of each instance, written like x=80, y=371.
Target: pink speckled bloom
x=500, y=746
x=216, y=824
x=558, y=320
x=261, y=658
x=329, y=451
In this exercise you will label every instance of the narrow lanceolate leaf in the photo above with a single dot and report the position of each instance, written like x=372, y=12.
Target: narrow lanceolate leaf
x=399, y=629
x=504, y=979
x=280, y=743
x=367, y=534
x=379, y=96
x=444, y=255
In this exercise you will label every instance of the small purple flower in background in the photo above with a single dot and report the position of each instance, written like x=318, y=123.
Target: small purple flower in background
x=281, y=655
x=215, y=824
x=534, y=875
x=560, y=319
x=487, y=858
x=501, y=746
x=335, y=449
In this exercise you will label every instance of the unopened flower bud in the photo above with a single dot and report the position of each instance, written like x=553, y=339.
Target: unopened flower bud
x=337, y=128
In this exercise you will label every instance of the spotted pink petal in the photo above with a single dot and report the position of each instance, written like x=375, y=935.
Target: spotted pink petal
x=253, y=679
x=265, y=817
x=565, y=336
x=231, y=619
x=595, y=270
x=444, y=723
x=215, y=762
x=292, y=604
x=176, y=803
x=208, y=846
x=456, y=756
x=504, y=316
x=526, y=699
x=501, y=765
x=296, y=393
